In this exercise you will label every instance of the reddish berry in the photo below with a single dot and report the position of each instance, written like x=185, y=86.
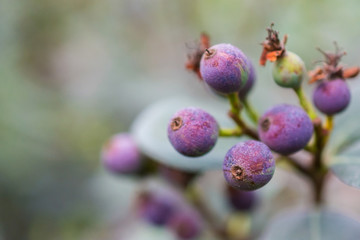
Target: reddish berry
x=285, y=129
x=248, y=165
x=193, y=132
x=224, y=68
x=332, y=96
x=250, y=82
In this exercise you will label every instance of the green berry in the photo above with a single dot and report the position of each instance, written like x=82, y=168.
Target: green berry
x=288, y=70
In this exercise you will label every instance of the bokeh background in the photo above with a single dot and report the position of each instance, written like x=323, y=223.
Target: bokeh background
x=74, y=72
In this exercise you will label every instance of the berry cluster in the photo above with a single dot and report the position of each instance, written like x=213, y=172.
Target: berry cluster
x=284, y=129
x=281, y=131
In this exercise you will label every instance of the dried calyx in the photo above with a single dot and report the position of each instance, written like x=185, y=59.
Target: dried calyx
x=273, y=48
x=331, y=68
x=195, y=54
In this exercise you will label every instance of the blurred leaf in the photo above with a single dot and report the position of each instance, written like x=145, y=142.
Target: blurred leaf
x=150, y=131
x=348, y=170
x=322, y=225
x=344, y=147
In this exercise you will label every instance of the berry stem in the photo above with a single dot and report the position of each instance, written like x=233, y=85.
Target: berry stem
x=329, y=124
x=250, y=111
x=306, y=105
x=234, y=103
x=318, y=168
x=230, y=132
x=234, y=114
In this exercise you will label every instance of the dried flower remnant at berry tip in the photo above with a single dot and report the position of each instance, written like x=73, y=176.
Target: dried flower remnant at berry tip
x=196, y=52
x=273, y=48
x=237, y=172
x=331, y=68
x=176, y=123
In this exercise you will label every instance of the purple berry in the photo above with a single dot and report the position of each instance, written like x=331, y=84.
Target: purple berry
x=157, y=207
x=186, y=223
x=248, y=165
x=241, y=200
x=224, y=68
x=250, y=82
x=120, y=154
x=285, y=129
x=288, y=70
x=332, y=96
x=193, y=132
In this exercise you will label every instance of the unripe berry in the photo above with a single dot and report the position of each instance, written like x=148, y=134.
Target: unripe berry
x=248, y=165
x=193, y=132
x=250, y=82
x=285, y=128
x=186, y=223
x=332, y=96
x=120, y=154
x=288, y=70
x=224, y=68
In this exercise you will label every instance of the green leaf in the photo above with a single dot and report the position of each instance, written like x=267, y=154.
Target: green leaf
x=347, y=169
x=150, y=132
x=344, y=146
x=320, y=225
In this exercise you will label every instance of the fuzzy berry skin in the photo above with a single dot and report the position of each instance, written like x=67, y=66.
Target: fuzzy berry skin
x=332, y=96
x=193, y=132
x=242, y=200
x=250, y=82
x=186, y=224
x=120, y=154
x=285, y=129
x=224, y=68
x=157, y=208
x=288, y=70
x=248, y=165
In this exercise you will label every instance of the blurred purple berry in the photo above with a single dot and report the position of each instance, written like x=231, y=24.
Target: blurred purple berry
x=250, y=82
x=224, y=68
x=288, y=70
x=186, y=223
x=157, y=208
x=241, y=200
x=332, y=96
x=285, y=129
x=248, y=165
x=120, y=154
x=193, y=132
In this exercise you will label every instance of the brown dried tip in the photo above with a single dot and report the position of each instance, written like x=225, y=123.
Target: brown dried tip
x=196, y=52
x=272, y=47
x=350, y=72
x=331, y=68
x=237, y=172
x=176, y=123
x=316, y=74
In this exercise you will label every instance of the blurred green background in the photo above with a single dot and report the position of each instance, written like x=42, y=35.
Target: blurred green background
x=74, y=72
